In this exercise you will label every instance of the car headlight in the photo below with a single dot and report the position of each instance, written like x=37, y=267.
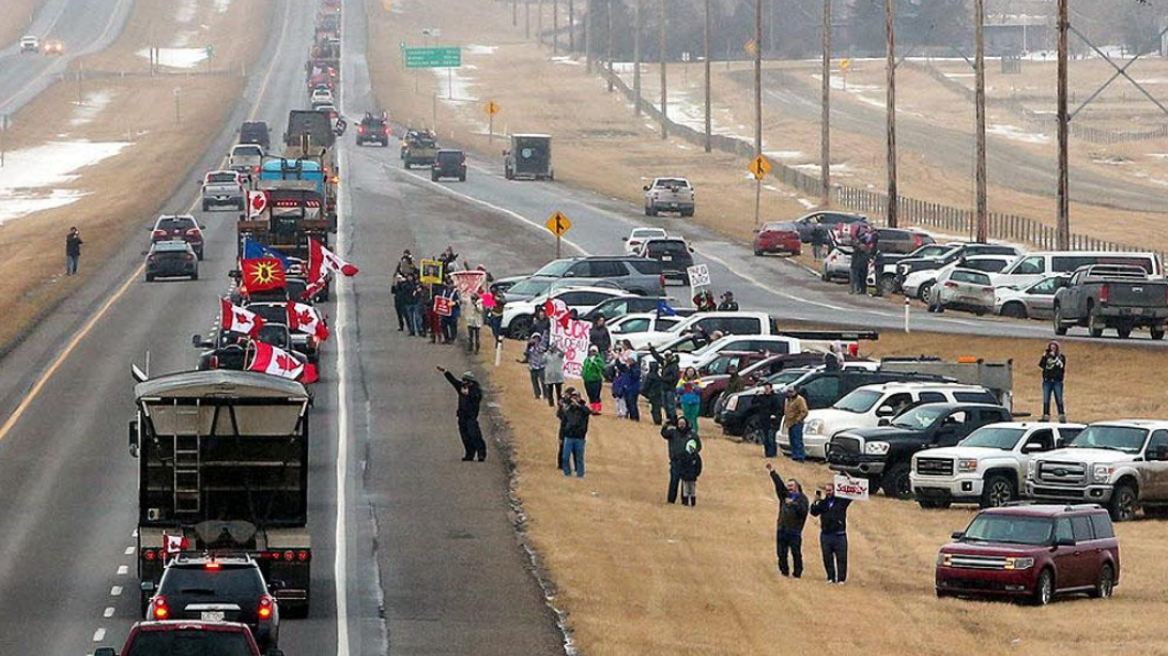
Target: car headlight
x=876, y=448
x=944, y=560
x=1030, y=469
x=1101, y=473
x=1020, y=562
x=967, y=464
x=814, y=427
x=732, y=404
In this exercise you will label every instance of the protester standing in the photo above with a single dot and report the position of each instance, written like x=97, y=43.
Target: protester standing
x=72, y=251
x=689, y=394
x=818, y=239
x=599, y=337
x=474, y=323
x=574, y=417
x=794, y=413
x=1054, y=369
x=728, y=303
x=735, y=383
x=553, y=374
x=449, y=322
x=592, y=373
x=689, y=469
x=832, y=512
x=470, y=398
x=565, y=401
x=542, y=324
x=629, y=378
x=793, y=508
x=678, y=434
x=535, y=356
x=414, y=304
x=651, y=389
x=770, y=408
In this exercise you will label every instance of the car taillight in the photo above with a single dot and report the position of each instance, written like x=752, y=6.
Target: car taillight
x=950, y=285
x=917, y=240
x=188, y=257
x=386, y=130
x=214, y=362
x=256, y=169
x=1105, y=293
x=663, y=280
x=150, y=258
x=361, y=129
x=161, y=610
x=303, y=555
x=193, y=232
x=265, y=610
x=159, y=233
x=148, y=554
x=213, y=565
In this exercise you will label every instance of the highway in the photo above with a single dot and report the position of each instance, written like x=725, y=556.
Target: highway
x=24, y=76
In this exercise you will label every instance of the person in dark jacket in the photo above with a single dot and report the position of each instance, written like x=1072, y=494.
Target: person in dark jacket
x=599, y=337
x=542, y=324
x=689, y=469
x=401, y=302
x=728, y=303
x=735, y=383
x=574, y=415
x=832, y=512
x=1054, y=369
x=651, y=390
x=670, y=376
x=470, y=398
x=565, y=401
x=72, y=251
x=679, y=435
x=818, y=239
x=793, y=507
x=770, y=411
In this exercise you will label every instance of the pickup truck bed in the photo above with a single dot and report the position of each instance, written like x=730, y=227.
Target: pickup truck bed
x=1101, y=297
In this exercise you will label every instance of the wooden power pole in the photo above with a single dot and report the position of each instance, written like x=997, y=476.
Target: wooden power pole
x=555, y=27
x=707, y=63
x=757, y=78
x=571, y=28
x=890, y=48
x=664, y=76
x=825, y=119
x=637, y=59
x=588, y=25
x=608, y=56
x=527, y=19
x=982, y=233
x=1063, y=230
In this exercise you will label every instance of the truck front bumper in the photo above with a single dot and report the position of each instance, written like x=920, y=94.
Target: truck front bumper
x=950, y=488
x=1093, y=493
x=855, y=464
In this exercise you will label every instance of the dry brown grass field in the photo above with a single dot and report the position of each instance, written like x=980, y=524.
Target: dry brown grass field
x=16, y=19
x=637, y=576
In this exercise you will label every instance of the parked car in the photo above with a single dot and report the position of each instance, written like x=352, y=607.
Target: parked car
x=729, y=323
x=1119, y=464
x=1103, y=296
x=776, y=344
x=919, y=284
x=1031, y=553
x=832, y=221
x=30, y=43
x=631, y=324
x=927, y=258
x=753, y=368
x=988, y=467
x=782, y=238
x=619, y=307
x=873, y=405
x=884, y=455
x=1035, y=301
x=181, y=227
x=669, y=195
x=256, y=132
x=518, y=316
x=963, y=289
x=188, y=637
x=639, y=236
x=168, y=259
x=898, y=241
x=674, y=254
x=224, y=188
x=637, y=275
x=1036, y=266
x=837, y=265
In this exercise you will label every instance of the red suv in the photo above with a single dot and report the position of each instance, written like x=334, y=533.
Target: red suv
x=183, y=637
x=777, y=238
x=179, y=227
x=1032, y=552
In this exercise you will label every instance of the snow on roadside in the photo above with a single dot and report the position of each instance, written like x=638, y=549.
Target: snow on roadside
x=32, y=176
x=176, y=57
x=95, y=102
x=1017, y=134
x=222, y=6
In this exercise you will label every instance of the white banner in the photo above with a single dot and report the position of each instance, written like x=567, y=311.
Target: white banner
x=699, y=276
x=847, y=487
x=468, y=282
x=572, y=339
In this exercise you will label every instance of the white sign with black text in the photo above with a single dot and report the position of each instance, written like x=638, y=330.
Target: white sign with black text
x=847, y=487
x=699, y=276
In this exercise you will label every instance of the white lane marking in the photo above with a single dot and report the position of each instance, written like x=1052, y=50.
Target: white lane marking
x=116, y=591
x=129, y=551
x=108, y=612
x=99, y=635
x=123, y=570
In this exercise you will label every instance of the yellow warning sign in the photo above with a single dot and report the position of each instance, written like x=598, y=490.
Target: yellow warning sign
x=751, y=46
x=760, y=167
x=558, y=224
x=845, y=64
x=492, y=107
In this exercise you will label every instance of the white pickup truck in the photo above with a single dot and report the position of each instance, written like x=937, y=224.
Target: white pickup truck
x=729, y=323
x=669, y=195
x=988, y=467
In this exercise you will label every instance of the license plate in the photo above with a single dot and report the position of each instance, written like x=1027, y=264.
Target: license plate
x=212, y=615
x=1137, y=311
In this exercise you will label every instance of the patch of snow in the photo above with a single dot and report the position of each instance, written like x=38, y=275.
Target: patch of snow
x=222, y=6
x=952, y=75
x=1017, y=134
x=784, y=154
x=94, y=103
x=176, y=57
x=31, y=175
x=1158, y=155
x=807, y=204
x=453, y=86
x=567, y=60
x=473, y=49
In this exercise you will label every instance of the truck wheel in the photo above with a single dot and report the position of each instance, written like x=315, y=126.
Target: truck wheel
x=998, y=491
x=462, y=178
x=206, y=206
x=150, y=277
x=195, y=276
x=1105, y=586
x=520, y=328
x=687, y=212
x=1157, y=332
x=1043, y=588
x=1095, y=324
x=934, y=504
x=1123, y=503
x=824, y=275
x=888, y=284
x=1060, y=328
x=897, y=482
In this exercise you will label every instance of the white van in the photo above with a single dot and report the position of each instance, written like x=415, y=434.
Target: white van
x=1033, y=267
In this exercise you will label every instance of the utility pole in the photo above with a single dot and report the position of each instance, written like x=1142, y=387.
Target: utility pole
x=608, y=55
x=539, y=20
x=80, y=76
x=514, y=13
x=707, y=63
x=982, y=200
x=757, y=78
x=637, y=60
x=555, y=27
x=1063, y=230
x=825, y=119
x=527, y=19
x=890, y=47
x=664, y=77
x=588, y=25
x=571, y=28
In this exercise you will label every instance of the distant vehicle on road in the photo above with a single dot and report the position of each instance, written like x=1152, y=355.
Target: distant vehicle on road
x=669, y=195
x=224, y=188
x=188, y=637
x=246, y=160
x=54, y=47
x=674, y=254
x=1103, y=296
x=782, y=238
x=30, y=43
x=529, y=157
x=964, y=289
x=256, y=132
x=168, y=259
x=639, y=236
x=1032, y=553
x=1035, y=301
x=321, y=97
x=449, y=163
x=181, y=227
x=420, y=149
x=373, y=129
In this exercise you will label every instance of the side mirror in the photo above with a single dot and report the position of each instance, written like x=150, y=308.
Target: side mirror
x=196, y=340
x=884, y=422
x=105, y=651
x=570, y=274
x=645, y=188
x=957, y=535
x=133, y=438
x=624, y=238
x=148, y=587
x=276, y=585
x=885, y=411
x=1031, y=448
x=235, y=274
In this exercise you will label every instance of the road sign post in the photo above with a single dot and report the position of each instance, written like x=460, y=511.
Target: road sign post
x=492, y=109
x=760, y=167
x=558, y=224
x=433, y=57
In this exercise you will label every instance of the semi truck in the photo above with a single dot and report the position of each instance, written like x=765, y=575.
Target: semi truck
x=223, y=470
x=295, y=212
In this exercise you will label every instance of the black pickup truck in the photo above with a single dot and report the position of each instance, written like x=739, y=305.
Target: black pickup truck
x=1103, y=296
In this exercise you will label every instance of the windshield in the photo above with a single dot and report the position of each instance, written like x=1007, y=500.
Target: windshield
x=786, y=377
x=932, y=251
x=555, y=268
x=531, y=286
x=994, y=438
x=667, y=248
x=275, y=334
x=720, y=365
x=224, y=584
x=220, y=177
x=247, y=151
x=1116, y=438
x=1009, y=529
x=189, y=642
x=858, y=401
x=453, y=156
x=918, y=418
x=647, y=233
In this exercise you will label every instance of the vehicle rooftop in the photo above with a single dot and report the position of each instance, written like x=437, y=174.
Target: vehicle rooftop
x=1042, y=509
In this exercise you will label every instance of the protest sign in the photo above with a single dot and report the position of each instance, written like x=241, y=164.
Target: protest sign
x=469, y=282
x=847, y=487
x=443, y=306
x=571, y=337
x=431, y=272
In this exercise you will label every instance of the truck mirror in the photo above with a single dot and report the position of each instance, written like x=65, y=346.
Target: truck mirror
x=235, y=274
x=645, y=188
x=1064, y=542
x=133, y=438
x=148, y=587
x=276, y=585
x=957, y=535
x=885, y=411
x=196, y=340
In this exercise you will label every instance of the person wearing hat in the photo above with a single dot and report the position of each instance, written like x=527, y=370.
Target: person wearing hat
x=793, y=508
x=470, y=398
x=770, y=407
x=794, y=412
x=670, y=375
x=728, y=303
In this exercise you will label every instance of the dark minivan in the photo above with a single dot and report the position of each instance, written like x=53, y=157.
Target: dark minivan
x=256, y=132
x=449, y=164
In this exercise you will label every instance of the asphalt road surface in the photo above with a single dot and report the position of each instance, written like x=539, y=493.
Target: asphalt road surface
x=82, y=26
x=1009, y=165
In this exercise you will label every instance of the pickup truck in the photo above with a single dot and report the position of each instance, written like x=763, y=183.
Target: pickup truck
x=420, y=150
x=223, y=188
x=884, y=455
x=1118, y=464
x=669, y=195
x=246, y=159
x=1102, y=296
x=730, y=323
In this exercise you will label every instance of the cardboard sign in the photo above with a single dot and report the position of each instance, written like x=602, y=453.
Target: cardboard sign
x=847, y=487
x=571, y=337
x=699, y=276
x=431, y=272
x=443, y=306
x=469, y=282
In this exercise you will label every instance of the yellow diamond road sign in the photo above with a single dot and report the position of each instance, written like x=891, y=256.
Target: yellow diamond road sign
x=492, y=107
x=845, y=64
x=558, y=224
x=760, y=167
x=751, y=46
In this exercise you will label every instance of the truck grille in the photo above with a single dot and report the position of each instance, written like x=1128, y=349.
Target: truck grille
x=846, y=445
x=935, y=466
x=1061, y=473
x=977, y=562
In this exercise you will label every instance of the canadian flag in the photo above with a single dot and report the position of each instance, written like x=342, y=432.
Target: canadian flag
x=238, y=320
x=322, y=261
x=306, y=319
x=257, y=202
x=276, y=361
x=175, y=544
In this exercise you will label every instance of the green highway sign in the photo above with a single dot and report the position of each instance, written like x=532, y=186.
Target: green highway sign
x=433, y=57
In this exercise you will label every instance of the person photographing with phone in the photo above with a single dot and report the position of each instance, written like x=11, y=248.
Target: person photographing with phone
x=832, y=512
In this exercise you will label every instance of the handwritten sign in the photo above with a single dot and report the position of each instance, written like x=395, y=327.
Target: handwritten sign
x=431, y=272
x=443, y=306
x=847, y=487
x=571, y=337
x=469, y=282
x=699, y=276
